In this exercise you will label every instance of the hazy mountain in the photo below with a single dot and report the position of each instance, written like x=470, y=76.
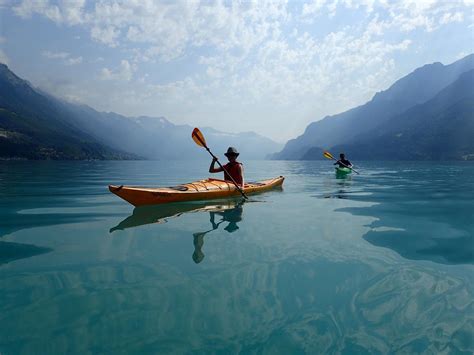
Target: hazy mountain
x=416, y=88
x=158, y=138
x=33, y=126
x=440, y=129
x=36, y=125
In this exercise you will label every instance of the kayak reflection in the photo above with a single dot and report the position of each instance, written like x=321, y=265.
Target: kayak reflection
x=161, y=213
x=226, y=212
x=342, y=189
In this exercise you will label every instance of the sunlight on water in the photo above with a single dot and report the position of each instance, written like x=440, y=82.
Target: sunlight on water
x=379, y=262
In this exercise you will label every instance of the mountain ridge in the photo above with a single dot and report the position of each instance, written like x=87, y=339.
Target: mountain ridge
x=439, y=129
x=37, y=125
x=31, y=127
x=415, y=88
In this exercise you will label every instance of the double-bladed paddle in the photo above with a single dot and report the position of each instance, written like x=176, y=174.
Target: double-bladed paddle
x=200, y=141
x=329, y=156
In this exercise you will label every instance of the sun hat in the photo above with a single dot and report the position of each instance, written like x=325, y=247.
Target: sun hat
x=231, y=151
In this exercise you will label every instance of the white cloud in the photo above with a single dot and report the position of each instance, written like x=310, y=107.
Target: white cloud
x=452, y=17
x=124, y=72
x=407, y=15
x=73, y=61
x=29, y=7
x=65, y=57
x=98, y=60
x=268, y=55
x=167, y=29
x=460, y=55
x=107, y=35
x=4, y=58
x=55, y=55
x=69, y=12
x=313, y=8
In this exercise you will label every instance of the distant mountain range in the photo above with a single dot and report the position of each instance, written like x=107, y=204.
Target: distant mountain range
x=36, y=125
x=427, y=115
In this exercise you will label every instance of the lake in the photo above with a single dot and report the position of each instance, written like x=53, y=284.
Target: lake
x=380, y=262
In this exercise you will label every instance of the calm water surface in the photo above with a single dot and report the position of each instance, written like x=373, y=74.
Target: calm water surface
x=380, y=262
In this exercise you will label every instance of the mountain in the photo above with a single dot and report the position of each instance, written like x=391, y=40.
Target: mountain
x=158, y=138
x=33, y=126
x=440, y=129
x=36, y=125
x=416, y=88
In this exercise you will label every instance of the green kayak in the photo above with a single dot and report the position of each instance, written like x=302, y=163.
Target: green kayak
x=343, y=171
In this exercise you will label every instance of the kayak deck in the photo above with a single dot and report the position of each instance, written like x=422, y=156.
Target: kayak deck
x=198, y=190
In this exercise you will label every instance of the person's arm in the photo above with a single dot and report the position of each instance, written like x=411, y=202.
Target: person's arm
x=241, y=171
x=212, y=220
x=213, y=169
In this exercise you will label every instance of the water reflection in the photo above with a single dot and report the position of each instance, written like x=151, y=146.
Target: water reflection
x=15, y=251
x=13, y=221
x=162, y=213
x=290, y=283
x=342, y=188
x=227, y=215
x=420, y=215
x=227, y=212
x=47, y=193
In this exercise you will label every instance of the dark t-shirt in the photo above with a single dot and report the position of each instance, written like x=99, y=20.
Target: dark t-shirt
x=346, y=162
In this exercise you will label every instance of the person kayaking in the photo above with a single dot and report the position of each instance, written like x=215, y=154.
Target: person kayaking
x=233, y=169
x=343, y=162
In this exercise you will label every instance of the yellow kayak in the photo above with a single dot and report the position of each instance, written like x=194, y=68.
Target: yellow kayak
x=208, y=189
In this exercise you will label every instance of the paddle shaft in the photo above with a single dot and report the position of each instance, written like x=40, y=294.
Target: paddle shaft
x=222, y=167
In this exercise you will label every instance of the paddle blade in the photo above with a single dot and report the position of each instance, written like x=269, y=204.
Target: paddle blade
x=198, y=137
x=328, y=155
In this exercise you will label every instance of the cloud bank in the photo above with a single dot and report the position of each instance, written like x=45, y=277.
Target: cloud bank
x=251, y=62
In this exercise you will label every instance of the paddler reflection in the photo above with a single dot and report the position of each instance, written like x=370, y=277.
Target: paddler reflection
x=223, y=212
x=230, y=217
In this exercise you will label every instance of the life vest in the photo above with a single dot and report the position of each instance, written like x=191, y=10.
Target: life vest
x=234, y=171
x=343, y=163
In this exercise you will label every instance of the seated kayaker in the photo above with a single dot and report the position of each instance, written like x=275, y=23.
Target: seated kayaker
x=343, y=162
x=233, y=168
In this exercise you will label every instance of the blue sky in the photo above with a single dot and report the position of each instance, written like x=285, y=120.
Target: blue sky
x=266, y=66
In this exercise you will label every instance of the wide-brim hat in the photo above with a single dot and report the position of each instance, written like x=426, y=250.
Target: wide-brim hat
x=231, y=151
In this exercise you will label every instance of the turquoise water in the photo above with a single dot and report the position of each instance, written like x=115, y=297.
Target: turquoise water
x=380, y=262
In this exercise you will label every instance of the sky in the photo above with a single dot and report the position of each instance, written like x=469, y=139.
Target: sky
x=271, y=67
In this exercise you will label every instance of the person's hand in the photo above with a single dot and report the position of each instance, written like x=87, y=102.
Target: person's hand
x=214, y=159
